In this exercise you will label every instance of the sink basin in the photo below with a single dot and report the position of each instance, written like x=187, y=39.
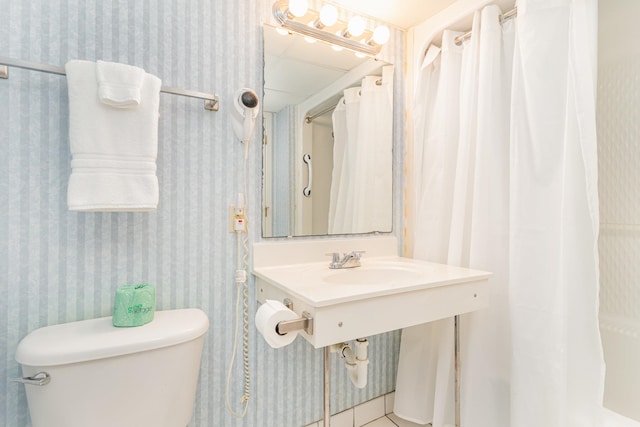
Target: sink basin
x=373, y=273
x=387, y=292
x=371, y=276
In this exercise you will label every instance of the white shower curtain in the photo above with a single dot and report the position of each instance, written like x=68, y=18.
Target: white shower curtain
x=362, y=152
x=506, y=182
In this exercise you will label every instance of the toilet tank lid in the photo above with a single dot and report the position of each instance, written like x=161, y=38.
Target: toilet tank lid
x=94, y=339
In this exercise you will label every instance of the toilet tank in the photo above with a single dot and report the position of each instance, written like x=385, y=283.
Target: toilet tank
x=103, y=376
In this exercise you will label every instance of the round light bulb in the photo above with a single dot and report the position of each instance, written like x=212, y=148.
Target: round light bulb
x=298, y=7
x=282, y=31
x=328, y=15
x=356, y=26
x=309, y=39
x=381, y=35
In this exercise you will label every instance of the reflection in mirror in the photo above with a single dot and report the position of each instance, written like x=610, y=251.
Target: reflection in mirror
x=327, y=157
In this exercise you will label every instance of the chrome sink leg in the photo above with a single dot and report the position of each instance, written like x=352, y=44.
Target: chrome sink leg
x=327, y=386
x=456, y=335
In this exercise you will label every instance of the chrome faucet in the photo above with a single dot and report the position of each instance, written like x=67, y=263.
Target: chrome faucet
x=350, y=260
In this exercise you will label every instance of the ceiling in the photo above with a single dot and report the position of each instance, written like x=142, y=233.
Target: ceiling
x=400, y=13
x=296, y=69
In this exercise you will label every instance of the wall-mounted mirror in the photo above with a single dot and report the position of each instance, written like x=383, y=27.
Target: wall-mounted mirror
x=327, y=153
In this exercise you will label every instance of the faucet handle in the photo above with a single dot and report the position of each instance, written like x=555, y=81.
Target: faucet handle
x=358, y=253
x=335, y=258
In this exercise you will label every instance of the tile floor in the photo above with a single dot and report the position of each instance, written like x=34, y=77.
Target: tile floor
x=377, y=412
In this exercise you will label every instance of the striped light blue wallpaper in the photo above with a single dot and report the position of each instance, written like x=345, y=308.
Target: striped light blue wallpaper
x=283, y=173
x=59, y=266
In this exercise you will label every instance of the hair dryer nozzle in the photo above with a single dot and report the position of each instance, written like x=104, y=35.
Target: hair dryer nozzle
x=249, y=99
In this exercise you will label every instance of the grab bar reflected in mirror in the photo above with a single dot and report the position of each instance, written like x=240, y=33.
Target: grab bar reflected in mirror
x=307, y=190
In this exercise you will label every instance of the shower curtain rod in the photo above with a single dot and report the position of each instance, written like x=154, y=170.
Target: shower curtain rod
x=211, y=101
x=504, y=17
x=309, y=118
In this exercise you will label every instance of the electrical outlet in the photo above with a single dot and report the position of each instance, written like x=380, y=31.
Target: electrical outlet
x=237, y=219
x=232, y=217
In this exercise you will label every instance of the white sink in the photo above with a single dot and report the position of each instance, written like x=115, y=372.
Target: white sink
x=387, y=292
x=389, y=272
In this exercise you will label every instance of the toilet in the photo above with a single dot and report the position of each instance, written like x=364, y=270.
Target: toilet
x=103, y=376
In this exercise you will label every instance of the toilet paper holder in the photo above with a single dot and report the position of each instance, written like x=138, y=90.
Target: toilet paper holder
x=303, y=323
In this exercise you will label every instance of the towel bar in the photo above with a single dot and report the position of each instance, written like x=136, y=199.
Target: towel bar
x=211, y=101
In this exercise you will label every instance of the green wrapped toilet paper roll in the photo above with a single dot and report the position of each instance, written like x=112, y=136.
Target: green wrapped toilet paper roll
x=134, y=305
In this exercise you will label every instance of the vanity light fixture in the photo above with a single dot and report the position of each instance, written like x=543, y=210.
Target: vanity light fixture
x=355, y=28
x=328, y=15
x=325, y=26
x=297, y=8
x=380, y=35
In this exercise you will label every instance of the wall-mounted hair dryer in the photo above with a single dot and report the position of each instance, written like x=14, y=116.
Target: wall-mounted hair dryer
x=244, y=112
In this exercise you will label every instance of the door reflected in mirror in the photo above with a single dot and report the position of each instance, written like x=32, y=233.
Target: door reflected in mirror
x=327, y=153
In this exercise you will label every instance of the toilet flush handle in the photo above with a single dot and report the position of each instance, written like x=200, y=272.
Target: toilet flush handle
x=40, y=379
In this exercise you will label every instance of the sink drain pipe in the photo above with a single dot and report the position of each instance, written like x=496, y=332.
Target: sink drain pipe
x=356, y=364
x=355, y=361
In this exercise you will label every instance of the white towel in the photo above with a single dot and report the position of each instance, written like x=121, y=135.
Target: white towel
x=119, y=85
x=114, y=151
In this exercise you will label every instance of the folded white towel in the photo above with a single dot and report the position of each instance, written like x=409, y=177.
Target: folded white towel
x=114, y=151
x=119, y=85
